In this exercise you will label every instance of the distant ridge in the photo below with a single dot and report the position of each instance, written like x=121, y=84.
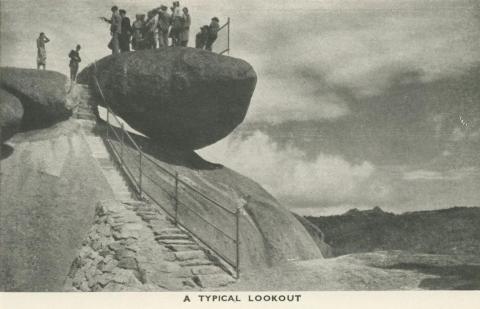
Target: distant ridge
x=453, y=230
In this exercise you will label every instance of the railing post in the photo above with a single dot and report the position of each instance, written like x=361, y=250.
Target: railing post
x=121, y=145
x=176, y=197
x=228, y=37
x=108, y=123
x=237, y=237
x=140, y=172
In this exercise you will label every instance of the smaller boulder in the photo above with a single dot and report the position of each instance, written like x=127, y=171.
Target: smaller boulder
x=42, y=94
x=11, y=113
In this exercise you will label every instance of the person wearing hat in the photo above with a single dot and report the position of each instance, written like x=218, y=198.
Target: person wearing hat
x=41, y=51
x=164, y=21
x=115, y=29
x=185, y=33
x=212, y=33
x=201, y=37
x=75, y=60
x=126, y=32
x=151, y=29
x=177, y=23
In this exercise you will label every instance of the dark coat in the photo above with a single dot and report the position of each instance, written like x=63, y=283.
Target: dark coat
x=126, y=27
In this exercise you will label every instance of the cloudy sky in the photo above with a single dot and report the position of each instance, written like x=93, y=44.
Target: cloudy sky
x=358, y=103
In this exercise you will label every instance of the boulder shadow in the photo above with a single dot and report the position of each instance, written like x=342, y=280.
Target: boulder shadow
x=163, y=152
x=5, y=151
x=453, y=277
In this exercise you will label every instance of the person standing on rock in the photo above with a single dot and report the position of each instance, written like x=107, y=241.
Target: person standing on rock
x=74, y=62
x=41, y=51
x=164, y=21
x=151, y=28
x=138, y=30
x=115, y=30
x=126, y=32
x=201, y=37
x=177, y=23
x=212, y=33
x=185, y=33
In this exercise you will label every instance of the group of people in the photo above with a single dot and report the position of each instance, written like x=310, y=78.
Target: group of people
x=74, y=56
x=154, y=29
x=150, y=33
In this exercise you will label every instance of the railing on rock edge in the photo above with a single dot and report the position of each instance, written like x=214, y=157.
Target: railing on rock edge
x=220, y=241
x=227, y=27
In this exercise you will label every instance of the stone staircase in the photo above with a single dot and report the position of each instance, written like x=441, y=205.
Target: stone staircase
x=167, y=257
x=82, y=97
x=205, y=270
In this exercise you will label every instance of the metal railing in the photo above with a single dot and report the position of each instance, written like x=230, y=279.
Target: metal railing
x=227, y=26
x=182, y=202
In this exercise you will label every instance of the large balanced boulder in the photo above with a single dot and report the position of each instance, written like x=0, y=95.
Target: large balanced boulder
x=42, y=93
x=11, y=113
x=184, y=97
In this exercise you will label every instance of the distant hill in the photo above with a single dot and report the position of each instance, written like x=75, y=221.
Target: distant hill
x=447, y=231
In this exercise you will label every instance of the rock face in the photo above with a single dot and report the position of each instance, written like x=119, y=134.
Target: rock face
x=184, y=97
x=49, y=188
x=42, y=94
x=11, y=113
x=317, y=235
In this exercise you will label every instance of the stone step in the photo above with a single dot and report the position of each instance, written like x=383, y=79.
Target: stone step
x=84, y=111
x=179, y=248
x=84, y=107
x=83, y=115
x=137, y=203
x=165, y=232
x=176, y=242
x=172, y=237
x=206, y=270
x=190, y=255
x=195, y=262
x=213, y=280
x=172, y=230
x=162, y=223
x=118, y=183
x=147, y=213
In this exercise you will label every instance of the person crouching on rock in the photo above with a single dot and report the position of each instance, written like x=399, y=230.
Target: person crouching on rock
x=212, y=33
x=126, y=32
x=41, y=51
x=186, y=22
x=74, y=62
x=201, y=37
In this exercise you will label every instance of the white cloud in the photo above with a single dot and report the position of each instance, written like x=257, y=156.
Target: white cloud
x=366, y=58
x=287, y=171
x=457, y=174
x=278, y=100
x=364, y=50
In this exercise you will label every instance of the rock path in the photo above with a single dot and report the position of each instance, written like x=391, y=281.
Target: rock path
x=134, y=246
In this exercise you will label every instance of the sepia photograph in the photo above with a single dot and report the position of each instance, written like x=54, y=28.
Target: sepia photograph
x=223, y=147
